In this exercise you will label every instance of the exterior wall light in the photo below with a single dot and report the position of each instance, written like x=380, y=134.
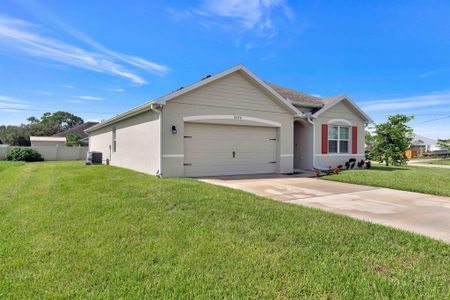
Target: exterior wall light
x=174, y=129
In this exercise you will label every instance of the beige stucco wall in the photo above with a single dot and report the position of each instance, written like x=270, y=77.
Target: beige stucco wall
x=335, y=116
x=137, y=143
x=233, y=95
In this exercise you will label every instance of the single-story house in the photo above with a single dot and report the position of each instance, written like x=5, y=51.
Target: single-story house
x=232, y=123
x=423, y=145
x=50, y=141
x=78, y=130
x=59, y=139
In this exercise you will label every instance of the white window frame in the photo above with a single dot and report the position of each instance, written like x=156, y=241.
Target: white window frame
x=114, y=139
x=338, y=140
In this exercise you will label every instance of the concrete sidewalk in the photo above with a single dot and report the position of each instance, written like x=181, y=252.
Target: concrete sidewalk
x=421, y=213
x=429, y=166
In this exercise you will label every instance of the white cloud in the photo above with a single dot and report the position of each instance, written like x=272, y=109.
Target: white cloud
x=23, y=36
x=75, y=101
x=407, y=103
x=434, y=131
x=250, y=14
x=68, y=86
x=431, y=111
x=132, y=60
x=44, y=93
x=430, y=73
x=8, y=103
x=259, y=19
x=117, y=90
x=89, y=97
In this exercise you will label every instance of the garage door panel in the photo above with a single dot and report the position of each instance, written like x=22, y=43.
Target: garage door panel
x=227, y=132
x=264, y=158
x=261, y=146
x=209, y=149
x=238, y=136
x=228, y=147
x=198, y=171
x=212, y=146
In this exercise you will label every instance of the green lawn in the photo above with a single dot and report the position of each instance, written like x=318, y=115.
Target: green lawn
x=437, y=162
x=74, y=231
x=415, y=179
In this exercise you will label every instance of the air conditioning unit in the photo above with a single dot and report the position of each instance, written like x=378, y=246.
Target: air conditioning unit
x=94, y=158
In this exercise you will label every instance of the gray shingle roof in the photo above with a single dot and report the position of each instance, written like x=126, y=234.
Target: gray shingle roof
x=78, y=130
x=296, y=97
x=330, y=100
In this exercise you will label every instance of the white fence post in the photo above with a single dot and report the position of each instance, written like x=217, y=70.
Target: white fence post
x=4, y=149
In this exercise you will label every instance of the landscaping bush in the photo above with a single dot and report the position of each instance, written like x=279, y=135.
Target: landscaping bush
x=24, y=154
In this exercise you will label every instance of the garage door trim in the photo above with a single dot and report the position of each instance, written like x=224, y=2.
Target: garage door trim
x=237, y=118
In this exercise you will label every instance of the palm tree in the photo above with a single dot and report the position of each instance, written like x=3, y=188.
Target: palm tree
x=73, y=140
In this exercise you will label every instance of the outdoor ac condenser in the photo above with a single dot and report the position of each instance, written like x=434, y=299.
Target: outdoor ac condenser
x=94, y=158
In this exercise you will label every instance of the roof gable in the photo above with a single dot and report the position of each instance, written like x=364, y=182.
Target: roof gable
x=234, y=91
x=239, y=68
x=333, y=101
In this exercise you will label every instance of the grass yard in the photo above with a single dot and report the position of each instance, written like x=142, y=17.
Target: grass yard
x=74, y=231
x=445, y=162
x=415, y=179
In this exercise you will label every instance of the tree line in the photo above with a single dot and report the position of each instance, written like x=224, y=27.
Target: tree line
x=47, y=125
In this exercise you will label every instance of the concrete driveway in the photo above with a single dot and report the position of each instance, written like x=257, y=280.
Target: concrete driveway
x=424, y=214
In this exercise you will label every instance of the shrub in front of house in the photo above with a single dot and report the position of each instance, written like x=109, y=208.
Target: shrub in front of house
x=24, y=154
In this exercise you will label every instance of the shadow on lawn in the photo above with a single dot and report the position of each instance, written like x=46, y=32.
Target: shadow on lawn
x=383, y=168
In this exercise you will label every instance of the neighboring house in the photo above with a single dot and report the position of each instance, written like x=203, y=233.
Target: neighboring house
x=414, y=151
x=232, y=123
x=423, y=144
x=78, y=130
x=47, y=141
x=59, y=139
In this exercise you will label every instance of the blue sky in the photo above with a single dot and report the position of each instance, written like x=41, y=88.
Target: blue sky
x=100, y=58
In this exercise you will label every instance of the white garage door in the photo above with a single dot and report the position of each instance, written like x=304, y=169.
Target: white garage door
x=211, y=150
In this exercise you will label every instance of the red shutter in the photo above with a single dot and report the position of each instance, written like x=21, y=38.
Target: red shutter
x=354, y=140
x=324, y=138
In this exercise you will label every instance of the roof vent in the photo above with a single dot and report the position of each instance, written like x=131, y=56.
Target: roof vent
x=206, y=77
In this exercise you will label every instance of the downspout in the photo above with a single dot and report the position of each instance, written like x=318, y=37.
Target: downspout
x=160, y=113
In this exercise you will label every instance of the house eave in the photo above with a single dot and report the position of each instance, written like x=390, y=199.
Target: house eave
x=133, y=112
x=163, y=100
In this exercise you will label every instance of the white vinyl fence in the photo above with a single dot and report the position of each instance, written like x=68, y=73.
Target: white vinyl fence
x=52, y=152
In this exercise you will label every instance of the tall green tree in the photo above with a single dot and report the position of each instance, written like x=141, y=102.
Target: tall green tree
x=392, y=139
x=15, y=135
x=52, y=123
